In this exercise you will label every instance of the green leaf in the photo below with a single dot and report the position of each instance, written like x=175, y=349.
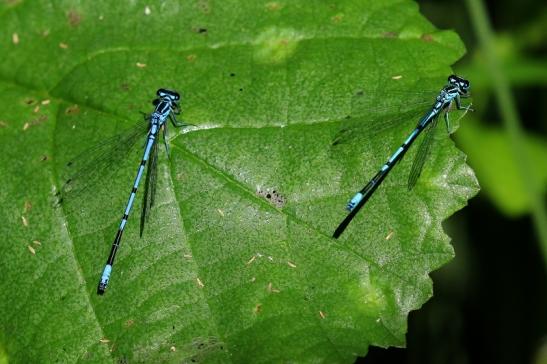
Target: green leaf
x=237, y=263
x=489, y=152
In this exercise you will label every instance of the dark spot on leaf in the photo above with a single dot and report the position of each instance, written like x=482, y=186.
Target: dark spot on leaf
x=232, y=74
x=124, y=87
x=348, y=117
x=173, y=327
x=359, y=93
x=273, y=197
x=203, y=6
x=69, y=164
x=240, y=89
x=29, y=101
x=72, y=110
x=199, y=30
x=44, y=158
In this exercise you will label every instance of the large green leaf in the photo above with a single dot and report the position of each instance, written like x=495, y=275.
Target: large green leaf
x=237, y=263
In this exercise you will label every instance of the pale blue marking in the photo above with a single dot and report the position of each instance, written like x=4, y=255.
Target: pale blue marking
x=106, y=273
x=411, y=136
x=395, y=154
x=355, y=201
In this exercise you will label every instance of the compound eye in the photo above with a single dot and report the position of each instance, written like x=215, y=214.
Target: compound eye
x=162, y=92
x=175, y=96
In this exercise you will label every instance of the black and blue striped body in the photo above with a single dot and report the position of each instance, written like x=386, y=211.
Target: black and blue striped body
x=166, y=104
x=456, y=88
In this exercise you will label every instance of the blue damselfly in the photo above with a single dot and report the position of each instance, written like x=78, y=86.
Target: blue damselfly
x=456, y=89
x=94, y=164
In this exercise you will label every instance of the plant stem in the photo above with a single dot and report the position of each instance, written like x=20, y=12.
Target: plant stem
x=510, y=119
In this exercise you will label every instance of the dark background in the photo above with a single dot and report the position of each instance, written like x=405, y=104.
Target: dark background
x=490, y=302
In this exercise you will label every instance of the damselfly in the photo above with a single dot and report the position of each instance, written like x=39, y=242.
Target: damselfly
x=456, y=89
x=97, y=162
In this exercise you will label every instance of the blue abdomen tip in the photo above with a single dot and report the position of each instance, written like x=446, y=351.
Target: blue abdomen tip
x=355, y=201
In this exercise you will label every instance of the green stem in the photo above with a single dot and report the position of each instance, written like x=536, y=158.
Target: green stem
x=510, y=118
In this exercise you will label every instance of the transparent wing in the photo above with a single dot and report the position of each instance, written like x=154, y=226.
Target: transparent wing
x=98, y=163
x=422, y=153
x=372, y=113
x=149, y=186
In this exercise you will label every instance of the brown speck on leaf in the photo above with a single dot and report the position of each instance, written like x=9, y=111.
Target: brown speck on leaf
x=337, y=18
x=271, y=289
x=45, y=33
x=141, y=65
x=72, y=110
x=204, y=7
x=390, y=35
x=27, y=206
x=36, y=121
x=200, y=283
x=63, y=45
x=390, y=235
x=43, y=158
x=74, y=18
x=322, y=314
x=273, y=6
x=15, y=38
x=427, y=37
x=3, y=124
x=251, y=260
x=36, y=108
x=129, y=323
x=191, y=57
x=257, y=308
x=173, y=349
x=31, y=250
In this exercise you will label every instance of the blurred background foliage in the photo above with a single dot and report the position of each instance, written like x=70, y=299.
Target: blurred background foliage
x=490, y=303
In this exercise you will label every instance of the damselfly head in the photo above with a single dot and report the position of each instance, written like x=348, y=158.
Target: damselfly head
x=171, y=95
x=461, y=83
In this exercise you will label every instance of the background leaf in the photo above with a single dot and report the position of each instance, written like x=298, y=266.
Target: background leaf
x=497, y=169
x=238, y=263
